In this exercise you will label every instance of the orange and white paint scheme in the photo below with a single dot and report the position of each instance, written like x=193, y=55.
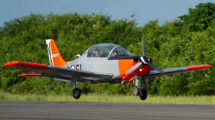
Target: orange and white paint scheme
x=105, y=62
x=55, y=57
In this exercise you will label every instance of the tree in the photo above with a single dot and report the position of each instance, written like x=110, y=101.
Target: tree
x=199, y=18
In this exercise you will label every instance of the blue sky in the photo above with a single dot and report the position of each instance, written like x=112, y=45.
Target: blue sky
x=145, y=10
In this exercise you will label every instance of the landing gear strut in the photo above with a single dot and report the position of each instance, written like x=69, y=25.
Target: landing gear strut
x=142, y=90
x=77, y=91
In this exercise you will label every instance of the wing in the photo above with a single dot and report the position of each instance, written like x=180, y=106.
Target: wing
x=57, y=72
x=156, y=73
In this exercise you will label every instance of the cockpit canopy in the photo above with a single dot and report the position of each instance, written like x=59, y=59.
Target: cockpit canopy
x=107, y=50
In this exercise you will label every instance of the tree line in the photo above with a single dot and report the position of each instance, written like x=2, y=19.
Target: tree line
x=188, y=40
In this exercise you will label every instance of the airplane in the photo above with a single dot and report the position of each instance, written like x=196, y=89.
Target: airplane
x=104, y=62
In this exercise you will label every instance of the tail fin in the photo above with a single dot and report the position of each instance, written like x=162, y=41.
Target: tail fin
x=55, y=57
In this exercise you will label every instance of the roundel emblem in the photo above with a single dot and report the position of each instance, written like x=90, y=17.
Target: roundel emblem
x=73, y=67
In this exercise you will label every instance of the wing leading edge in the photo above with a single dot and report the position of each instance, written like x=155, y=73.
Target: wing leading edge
x=169, y=71
x=57, y=72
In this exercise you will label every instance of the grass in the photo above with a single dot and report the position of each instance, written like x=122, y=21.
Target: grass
x=4, y=96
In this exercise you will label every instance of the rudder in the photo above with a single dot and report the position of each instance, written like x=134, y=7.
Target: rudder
x=55, y=57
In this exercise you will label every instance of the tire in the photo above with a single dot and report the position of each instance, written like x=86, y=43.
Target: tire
x=76, y=93
x=143, y=94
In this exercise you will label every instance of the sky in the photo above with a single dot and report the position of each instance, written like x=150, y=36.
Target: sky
x=144, y=10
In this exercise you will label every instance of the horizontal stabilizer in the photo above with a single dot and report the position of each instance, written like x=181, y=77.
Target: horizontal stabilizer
x=30, y=75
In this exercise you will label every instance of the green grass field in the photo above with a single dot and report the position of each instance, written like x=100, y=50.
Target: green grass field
x=4, y=96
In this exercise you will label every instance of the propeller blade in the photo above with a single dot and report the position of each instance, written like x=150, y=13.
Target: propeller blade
x=143, y=45
x=155, y=67
x=135, y=67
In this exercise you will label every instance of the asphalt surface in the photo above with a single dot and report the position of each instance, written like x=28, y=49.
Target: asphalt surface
x=103, y=111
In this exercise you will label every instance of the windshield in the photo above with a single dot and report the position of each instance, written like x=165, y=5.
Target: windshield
x=106, y=50
x=100, y=50
x=120, y=51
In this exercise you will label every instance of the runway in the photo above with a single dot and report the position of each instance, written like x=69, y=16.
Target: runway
x=104, y=111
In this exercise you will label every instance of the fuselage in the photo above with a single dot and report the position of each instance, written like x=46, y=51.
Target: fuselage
x=108, y=63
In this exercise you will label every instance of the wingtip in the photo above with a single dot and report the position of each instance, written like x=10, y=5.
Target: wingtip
x=207, y=66
x=199, y=67
x=9, y=64
x=210, y=66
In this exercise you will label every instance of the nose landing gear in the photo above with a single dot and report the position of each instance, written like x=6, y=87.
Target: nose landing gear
x=142, y=90
x=142, y=94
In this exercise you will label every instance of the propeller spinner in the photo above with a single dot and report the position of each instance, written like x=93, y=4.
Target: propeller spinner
x=143, y=60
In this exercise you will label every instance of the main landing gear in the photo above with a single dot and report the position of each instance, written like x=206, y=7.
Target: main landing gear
x=77, y=91
x=142, y=90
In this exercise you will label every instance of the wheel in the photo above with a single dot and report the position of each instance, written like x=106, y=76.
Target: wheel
x=143, y=94
x=76, y=93
x=136, y=91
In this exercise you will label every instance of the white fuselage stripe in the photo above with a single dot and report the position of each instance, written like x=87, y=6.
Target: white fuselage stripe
x=50, y=53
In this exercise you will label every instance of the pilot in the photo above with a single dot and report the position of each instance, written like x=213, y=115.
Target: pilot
x=115, y=53
x=97, y=53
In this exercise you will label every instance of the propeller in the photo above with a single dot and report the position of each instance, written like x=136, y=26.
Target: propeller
x=146, y=60
x=143, y=60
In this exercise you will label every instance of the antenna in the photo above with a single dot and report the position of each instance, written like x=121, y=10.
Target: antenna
x=143, y=44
